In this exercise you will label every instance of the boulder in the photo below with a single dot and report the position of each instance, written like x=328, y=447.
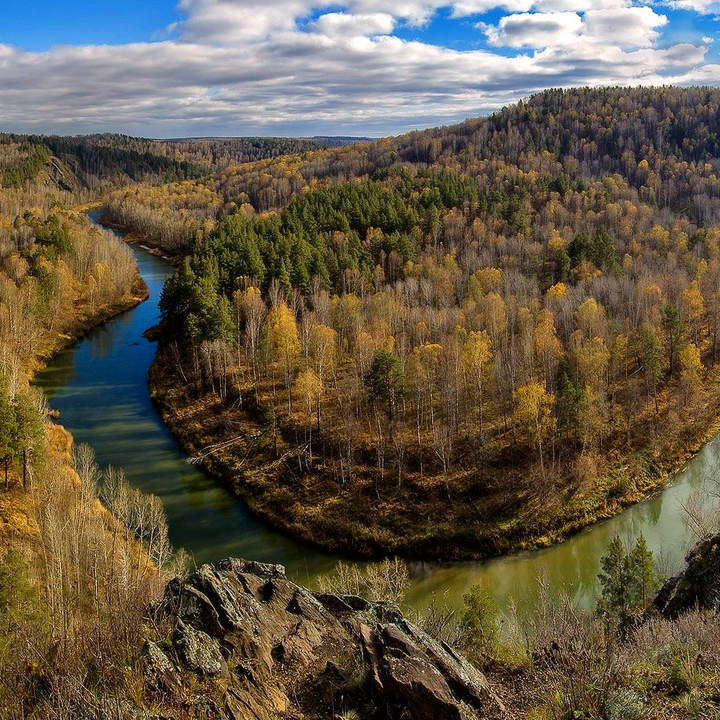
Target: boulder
x=198, y=651
x=414, y=676
x=283, y=650
x=159, y=673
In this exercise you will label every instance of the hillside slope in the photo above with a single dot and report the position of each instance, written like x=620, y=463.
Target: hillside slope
x=458, y=342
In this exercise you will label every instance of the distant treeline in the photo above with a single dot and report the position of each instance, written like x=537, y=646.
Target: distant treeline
x=109, y=160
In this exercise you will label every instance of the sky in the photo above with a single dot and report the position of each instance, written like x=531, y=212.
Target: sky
x=192, y=68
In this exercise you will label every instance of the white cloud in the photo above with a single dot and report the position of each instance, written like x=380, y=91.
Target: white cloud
x=228, y=21
x=240, y=67
x=704, y=75
x=536, y=30
x=628, y=27
x=352, y=25
x=579, y=5
x=704, y=7
x=462, y=8
x=414, y=12
x=621, y=27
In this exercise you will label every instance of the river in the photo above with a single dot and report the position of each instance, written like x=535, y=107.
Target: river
x=99, y=387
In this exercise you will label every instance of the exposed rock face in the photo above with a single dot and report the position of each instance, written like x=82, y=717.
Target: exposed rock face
x=198, y=651
x=160, y=674
x=698, y=585
x=247, y=643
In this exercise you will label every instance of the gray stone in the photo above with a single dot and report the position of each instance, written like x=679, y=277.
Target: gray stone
x=336, y=605
x=195, y=607
x=160, y=674
x=290, y=650
x=224, y=600
x=250, y=567
x=698, y=585
x=414, y=688
x=198, y=651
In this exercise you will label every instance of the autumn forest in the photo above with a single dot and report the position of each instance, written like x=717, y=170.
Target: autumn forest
x=453, y=344
x=457, y=342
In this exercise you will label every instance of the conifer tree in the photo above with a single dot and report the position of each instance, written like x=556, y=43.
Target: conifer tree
x=386, y=380
x=29, y=433
x=627, y=579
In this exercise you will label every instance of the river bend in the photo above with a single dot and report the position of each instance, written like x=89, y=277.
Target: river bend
x=99, y=386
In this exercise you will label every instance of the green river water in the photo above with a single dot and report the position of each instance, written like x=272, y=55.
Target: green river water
x=100, y=389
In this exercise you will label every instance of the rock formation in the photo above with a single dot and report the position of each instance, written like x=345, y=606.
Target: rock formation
x=242, y=642
x=698, y=585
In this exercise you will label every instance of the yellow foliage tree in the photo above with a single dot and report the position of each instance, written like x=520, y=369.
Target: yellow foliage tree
x=590, y=318
x=534, y=415
x=692, y=308
x=593, y=358
x=691, y=368
x=494, y=312
x=323, y=350
x=557, y=291
x=309, y=389
x=476, y=357
x=283, y=341
x=548, y=347
x=483, y=282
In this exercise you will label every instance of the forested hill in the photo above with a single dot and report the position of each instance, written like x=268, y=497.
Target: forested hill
x=87, y=163
x=103, y=162
x=515, y=319
x=663, y=142
x=658, y=139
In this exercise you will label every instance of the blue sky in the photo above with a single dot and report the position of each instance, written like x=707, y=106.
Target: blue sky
x=40, y=24
x=169, y=68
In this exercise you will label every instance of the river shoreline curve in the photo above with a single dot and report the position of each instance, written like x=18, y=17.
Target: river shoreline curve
x=105, y=376
x=189, y=424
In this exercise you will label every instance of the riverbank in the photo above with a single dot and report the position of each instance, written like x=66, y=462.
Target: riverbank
x=86, y=314
x=86, y=319
x=147, y=242
x=75, y=577
x=353, y=519
x=18, y=525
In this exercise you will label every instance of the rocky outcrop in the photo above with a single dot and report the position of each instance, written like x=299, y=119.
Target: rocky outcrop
x=698, y=585
x=245, y=643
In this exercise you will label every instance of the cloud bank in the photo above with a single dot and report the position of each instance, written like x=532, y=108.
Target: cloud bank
x=291, y=67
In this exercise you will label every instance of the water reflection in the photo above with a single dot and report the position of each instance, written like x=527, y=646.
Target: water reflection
x=62, y=370
x=573, y=566
x=100, y=389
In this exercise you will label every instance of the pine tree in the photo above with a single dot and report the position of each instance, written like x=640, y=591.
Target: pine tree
x=627, y=579
x=613, y=579
x=8, y=430
x=642, y=577
x=177, y=294
x=29, y=432
x=386, y=380
x=674, y=335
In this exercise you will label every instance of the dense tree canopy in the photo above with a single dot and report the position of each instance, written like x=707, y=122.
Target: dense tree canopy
x=547, y=279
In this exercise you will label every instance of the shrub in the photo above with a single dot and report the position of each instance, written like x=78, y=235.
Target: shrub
x=479, y=625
